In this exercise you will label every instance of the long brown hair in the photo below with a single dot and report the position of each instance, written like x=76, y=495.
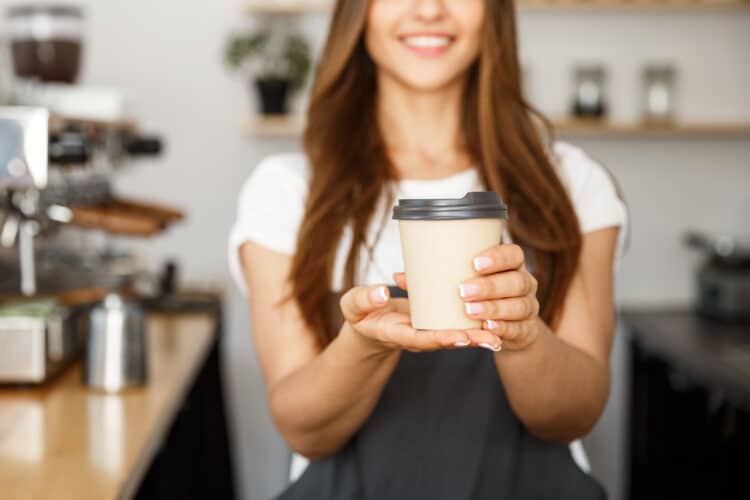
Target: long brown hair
x=350, y=164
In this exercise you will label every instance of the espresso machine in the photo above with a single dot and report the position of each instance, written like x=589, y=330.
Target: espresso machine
x=62, y=252
x=23, y=174
x=58, y=212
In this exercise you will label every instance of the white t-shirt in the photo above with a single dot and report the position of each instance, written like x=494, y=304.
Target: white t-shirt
x=272, y=201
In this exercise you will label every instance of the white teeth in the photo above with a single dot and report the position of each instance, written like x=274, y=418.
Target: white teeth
x=428, y=42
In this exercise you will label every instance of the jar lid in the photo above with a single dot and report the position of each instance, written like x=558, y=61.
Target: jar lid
x=476, y=205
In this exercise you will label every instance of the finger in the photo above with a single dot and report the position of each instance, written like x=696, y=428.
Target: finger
x=508, y=331
x=360, y=301
x=382, y=325
x=400, y=305
x=394, y=329
x=427, y=340
x=499, y=258
x=400, y=279
x=515, y=309
x=485, y=339
x=498, y=286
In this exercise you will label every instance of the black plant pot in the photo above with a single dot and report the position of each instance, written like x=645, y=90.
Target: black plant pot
x=273, y=95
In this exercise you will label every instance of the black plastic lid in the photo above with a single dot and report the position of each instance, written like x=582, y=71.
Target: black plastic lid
x=478, y=205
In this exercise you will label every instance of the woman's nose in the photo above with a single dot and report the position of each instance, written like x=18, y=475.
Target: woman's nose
x=429, y=10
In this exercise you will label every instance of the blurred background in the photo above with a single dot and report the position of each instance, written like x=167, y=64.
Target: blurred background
x=173, y=103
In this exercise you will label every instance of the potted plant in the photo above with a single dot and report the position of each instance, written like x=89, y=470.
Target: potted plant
x=280, y=60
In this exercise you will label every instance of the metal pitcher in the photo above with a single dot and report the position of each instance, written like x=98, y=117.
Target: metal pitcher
x=116, y=354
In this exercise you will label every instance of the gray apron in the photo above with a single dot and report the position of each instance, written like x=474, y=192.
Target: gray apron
x=443, y=430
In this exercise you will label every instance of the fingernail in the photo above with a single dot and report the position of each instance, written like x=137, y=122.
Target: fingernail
x=481, y=263
x=467, y=290
x=491, y=347
x=462, y=343
x=379, y=295
x=491, y=325
x=474, y=307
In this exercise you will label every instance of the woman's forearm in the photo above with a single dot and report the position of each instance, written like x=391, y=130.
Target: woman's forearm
x=557, y=390
x=320, y=406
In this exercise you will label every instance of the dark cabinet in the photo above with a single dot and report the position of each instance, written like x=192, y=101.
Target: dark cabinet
x=689, y=408
x=194, y=462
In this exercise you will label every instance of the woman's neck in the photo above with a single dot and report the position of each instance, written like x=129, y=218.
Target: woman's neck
x=422, y=130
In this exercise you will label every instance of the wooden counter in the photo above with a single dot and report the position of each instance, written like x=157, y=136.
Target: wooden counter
x=63, y=441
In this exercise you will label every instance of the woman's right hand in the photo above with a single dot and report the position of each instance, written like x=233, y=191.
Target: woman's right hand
x=384, y=322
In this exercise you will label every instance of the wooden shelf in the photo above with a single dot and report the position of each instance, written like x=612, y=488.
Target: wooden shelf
x=292, y=126
x=288, y=6
x=594, y=128
x=322, y=6
x=276, y=126
x=630, y=4
x=58, y=122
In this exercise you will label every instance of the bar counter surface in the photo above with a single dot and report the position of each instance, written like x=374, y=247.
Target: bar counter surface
x=713, y=353
x=63, y=441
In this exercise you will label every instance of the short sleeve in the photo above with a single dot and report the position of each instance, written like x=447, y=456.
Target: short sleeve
x=593, y=191
x=270, y=209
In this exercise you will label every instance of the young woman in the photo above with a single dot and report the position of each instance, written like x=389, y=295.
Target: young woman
x=422, y=99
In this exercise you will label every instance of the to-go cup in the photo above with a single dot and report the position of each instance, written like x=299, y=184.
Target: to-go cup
x=439, y=240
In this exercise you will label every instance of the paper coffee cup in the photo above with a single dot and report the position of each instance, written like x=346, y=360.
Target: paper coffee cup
x=439, y=240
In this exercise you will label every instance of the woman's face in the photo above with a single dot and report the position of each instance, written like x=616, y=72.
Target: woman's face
x=424, y=44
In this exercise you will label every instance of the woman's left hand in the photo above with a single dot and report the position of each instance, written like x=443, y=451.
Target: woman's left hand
x=504, y=296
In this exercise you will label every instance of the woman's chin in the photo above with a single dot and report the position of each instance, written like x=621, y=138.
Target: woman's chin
x=424, y=82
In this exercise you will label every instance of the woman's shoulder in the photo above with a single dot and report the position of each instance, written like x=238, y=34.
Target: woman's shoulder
x=593, y=190
x=270, y=208
x=281, y=170
x=575, y=166
x=582, y=175
x=278, y=181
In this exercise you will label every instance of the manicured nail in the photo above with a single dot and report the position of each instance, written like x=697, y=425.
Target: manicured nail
x=468, y=290
x=474, y=307
x=379, y=295
x=462, y=343
x=491, y=347
x=482, y=263
x=491, y=325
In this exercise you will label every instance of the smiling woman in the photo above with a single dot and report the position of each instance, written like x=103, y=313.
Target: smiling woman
x=422, y=99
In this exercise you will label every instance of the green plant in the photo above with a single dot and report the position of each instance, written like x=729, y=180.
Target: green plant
x=272, y=54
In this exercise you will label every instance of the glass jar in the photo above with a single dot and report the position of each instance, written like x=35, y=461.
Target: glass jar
x=659, y=93
x=590, y=92
x=46, y=42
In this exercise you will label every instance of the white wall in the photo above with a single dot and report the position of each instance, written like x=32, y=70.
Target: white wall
x=165, y=54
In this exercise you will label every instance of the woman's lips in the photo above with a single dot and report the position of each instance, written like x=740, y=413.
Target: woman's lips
x=427, y=45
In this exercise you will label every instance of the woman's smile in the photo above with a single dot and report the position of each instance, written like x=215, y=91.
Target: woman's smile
x=427, y=44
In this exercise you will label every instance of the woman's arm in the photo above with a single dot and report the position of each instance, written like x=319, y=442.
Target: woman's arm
x=557, y=382
x=317, y=398
x=320, y=397
x=559, y=385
